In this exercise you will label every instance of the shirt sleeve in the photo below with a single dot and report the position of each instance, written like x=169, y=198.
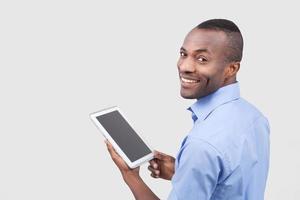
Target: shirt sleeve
x=199, y=166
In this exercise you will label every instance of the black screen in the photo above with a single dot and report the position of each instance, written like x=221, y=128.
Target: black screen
x=124, y=135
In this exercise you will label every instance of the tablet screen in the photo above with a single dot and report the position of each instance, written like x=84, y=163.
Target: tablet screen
x=124, y=135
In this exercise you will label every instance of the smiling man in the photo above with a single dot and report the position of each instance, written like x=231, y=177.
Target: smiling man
x=226, y=153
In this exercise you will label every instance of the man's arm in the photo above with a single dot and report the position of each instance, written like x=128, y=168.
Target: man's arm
x=139, y=189
x=131, y=177
x=198, y=171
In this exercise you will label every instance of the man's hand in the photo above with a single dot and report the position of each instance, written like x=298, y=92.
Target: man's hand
x=131, y=176
x=118, y=160
x=162, y=166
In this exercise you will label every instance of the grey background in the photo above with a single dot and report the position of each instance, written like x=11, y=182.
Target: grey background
x=61, y=60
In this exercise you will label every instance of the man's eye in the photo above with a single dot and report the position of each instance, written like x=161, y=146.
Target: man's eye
x=201, y=59
x=182, y=54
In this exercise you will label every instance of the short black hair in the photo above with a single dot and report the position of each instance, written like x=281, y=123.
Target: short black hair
x=233, y=33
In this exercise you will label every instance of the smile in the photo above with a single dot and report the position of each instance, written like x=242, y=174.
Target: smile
x=184, y=80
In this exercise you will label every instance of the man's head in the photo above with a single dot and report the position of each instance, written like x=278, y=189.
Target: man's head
x=209, y=58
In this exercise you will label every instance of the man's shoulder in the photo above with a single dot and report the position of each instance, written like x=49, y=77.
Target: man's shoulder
x=237, y=114
x=229, y=126
x=241, y=108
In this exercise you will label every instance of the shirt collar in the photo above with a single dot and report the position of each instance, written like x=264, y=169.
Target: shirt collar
x=205, y=105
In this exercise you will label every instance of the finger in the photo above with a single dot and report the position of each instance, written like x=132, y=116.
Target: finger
x=118, y=160
x=161, y=156
x=158, y=155
x=154, y=164
x=150, y=169
x=111, y=150
x=154, y=176
x=109, y=146
x=153, y=171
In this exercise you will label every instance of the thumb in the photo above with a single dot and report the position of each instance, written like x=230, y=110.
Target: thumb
x=160, y=156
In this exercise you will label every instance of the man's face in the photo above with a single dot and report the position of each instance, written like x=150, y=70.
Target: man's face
x=201, y=64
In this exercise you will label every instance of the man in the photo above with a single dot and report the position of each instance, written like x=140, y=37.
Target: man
x=226, y=154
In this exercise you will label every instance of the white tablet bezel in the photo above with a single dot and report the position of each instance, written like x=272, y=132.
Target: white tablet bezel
x=132, y=165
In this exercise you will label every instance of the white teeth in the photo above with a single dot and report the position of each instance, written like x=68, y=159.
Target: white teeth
x=188, y=80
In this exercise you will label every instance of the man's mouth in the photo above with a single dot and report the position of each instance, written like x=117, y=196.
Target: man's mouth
x=188, y=82
x=185, y=80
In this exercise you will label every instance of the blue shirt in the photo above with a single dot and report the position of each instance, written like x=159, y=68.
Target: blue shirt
x=226, y=153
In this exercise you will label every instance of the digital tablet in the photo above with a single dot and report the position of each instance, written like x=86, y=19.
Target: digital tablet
x=116, y=129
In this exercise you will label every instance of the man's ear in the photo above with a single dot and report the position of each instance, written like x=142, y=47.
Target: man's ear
x=232, y=69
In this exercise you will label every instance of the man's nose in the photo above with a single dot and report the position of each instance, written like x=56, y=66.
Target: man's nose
x=186, y=65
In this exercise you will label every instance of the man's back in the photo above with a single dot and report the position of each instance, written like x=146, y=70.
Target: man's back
x=226, y=154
